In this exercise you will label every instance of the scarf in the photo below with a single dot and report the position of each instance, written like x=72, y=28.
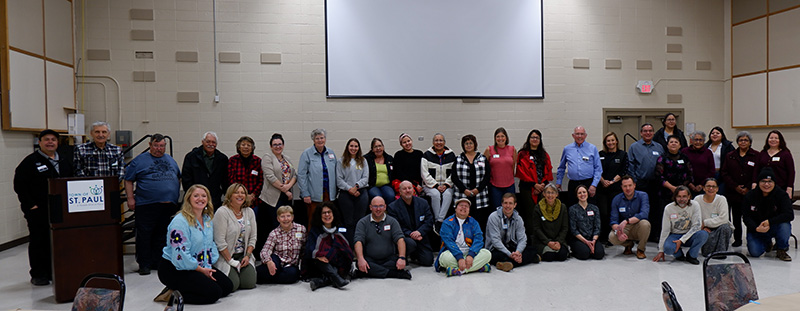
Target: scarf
x=550, y=212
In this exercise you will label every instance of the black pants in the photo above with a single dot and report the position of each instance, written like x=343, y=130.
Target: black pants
x=528, y=256
x=735, y=208
x=195, y=287
x=382, y=268
x=39, y=244
x=653, y=190
x=352, y=209
x=560, y=255
x=482, y=215
x=581, y=251
x=283, y=275
x=419, y=250
x=604, y=198
x=266, y=221
x=152, y=221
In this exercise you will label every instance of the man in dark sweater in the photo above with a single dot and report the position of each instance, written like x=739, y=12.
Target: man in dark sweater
x=375, y=239
x=416, y=221
x=207, y=166
x=767, y=213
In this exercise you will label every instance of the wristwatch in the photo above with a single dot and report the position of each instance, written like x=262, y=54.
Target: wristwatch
x=402, y=257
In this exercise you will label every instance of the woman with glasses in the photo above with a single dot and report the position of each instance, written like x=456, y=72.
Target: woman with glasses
x=702, y=160
x=737, y=171
x=280, y=175
x=669, y=128
x=776, y=155
x=714, y=212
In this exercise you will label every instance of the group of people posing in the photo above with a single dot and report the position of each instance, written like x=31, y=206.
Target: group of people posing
x=383, y=211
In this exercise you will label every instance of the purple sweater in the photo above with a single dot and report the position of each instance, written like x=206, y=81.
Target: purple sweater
x=702, y=163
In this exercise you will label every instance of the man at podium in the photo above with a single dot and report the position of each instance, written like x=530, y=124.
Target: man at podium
x=30, y=184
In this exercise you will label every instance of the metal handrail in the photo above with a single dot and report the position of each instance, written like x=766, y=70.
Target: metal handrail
x=625, y=141
x=129, y=148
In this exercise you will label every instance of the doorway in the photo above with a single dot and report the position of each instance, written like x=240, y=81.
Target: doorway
x=626, y=122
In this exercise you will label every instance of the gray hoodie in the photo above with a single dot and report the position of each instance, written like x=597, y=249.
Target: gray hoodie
x=497, y=237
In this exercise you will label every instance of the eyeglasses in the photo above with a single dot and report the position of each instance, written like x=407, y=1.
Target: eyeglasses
x=767, y=181
x=277, y=145
x=712, y=186
x=535, y=137
x=327, y=213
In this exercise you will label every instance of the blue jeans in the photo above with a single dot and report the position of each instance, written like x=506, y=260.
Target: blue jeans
x=757, y=242
x=385, y=191
x=496, y=195
x=695, y=243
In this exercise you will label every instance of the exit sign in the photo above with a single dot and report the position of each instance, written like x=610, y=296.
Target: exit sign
x=645, y=86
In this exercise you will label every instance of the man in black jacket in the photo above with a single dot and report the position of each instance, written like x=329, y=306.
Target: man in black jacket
x=30, y=184
x=416, y=220
x=207, y=166
x=767, y=213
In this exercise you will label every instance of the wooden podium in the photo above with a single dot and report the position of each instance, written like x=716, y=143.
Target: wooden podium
x=85, y=231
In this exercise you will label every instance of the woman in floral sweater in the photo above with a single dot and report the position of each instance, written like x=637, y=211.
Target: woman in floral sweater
x=186, y=263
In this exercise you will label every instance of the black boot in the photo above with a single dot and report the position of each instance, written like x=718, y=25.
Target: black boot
x=319, y=283
x=333, y=275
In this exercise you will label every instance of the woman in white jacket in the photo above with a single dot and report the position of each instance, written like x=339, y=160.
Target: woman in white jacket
x=235, y=234
x=437, y=171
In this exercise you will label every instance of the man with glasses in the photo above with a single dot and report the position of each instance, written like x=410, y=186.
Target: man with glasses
x=581, y=160
x=207, y=166
x=642, y=158
x=376, y=237
x=155, y=200
x=767, y=213
x=98, y=157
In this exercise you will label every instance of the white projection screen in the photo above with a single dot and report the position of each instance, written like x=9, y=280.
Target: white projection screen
x=434, y=48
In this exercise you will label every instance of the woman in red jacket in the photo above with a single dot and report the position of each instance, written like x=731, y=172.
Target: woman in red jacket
x=534, y=172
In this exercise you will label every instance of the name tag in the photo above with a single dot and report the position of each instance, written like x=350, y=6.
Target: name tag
x=495, y=156
x=331, y=156
x=752, y=208
x=680, y=161
x=673, y=216
x=655, y=153
x=617, y=161
x=585, y=158
x=751, y=163
x=505, y=226
x=622, y=209
x=253, y=172
x=387, y=227
x=590, y=213
x=422, y=218
x=481, y=164
x=714, y=214
x=342, y=230
x=776, y=159
x=115, y=164
x=602, y=158
x=531, y=158
x=42, y=168
x=298, y=235
x=543, y=219
x=391, y=168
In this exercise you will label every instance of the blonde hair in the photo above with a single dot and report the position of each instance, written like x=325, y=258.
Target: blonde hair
x=186, y=208
x=229, y=193
x=284, y=209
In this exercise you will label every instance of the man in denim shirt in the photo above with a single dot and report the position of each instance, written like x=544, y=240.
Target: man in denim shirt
x=629, y=223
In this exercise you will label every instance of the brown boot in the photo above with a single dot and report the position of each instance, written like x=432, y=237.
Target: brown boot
x=640, y=254
x=628, y=250
x=504, y=265
x=782, y=255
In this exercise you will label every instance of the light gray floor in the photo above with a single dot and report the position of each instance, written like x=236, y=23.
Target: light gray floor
x=618, y=281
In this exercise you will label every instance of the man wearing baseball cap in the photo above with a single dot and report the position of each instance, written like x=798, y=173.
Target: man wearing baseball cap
x=767, y=213
x=462, y=244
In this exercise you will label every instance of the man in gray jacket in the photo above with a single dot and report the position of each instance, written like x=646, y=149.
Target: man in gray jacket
x=506, y=239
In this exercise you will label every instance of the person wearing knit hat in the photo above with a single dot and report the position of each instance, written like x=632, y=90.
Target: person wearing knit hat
x=767, y=213
x=407, y=165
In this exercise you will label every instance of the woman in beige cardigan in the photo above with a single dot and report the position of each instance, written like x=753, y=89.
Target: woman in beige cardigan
x=280, y=175
x=235, y=235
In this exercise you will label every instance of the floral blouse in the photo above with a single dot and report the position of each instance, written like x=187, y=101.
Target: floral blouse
x=190, y=246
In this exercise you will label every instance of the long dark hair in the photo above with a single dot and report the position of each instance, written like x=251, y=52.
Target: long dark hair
x=316, y=219
x=539, y=153
x=346, y=155
x=664, y=120
x=724, y=138
x=781, y=145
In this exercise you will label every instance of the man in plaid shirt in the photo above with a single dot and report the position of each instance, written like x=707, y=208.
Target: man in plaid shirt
x=97, y=157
